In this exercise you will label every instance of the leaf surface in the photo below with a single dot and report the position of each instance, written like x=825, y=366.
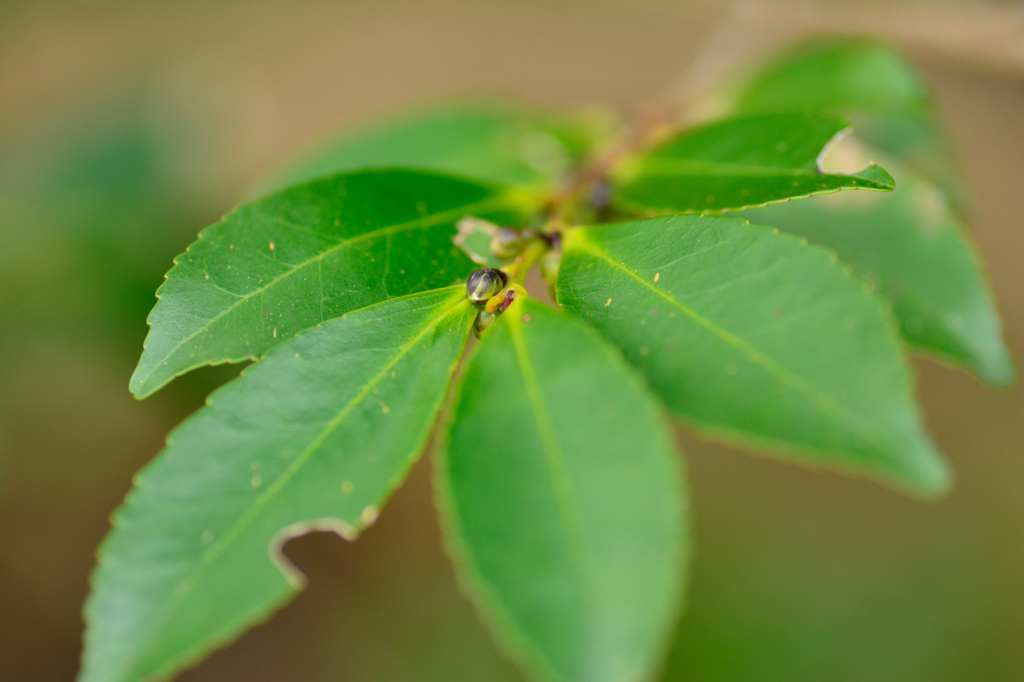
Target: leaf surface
x=562, y=493
x=912, y=245
x=874, y=86
x=738, y=163
x=490, y=141
x=754, y=337
x=286, y=262
x=313, y=437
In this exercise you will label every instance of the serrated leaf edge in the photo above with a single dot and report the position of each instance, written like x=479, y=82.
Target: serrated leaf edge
x=294, y=577
x=140, y=391
x=646, y=211
x=779, y=448
x=489, y=607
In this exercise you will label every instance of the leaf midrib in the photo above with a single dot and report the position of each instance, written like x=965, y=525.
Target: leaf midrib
x=561, y=482
x=657, y=166
x=850, y=421
x=235, y=531
x=430, y=221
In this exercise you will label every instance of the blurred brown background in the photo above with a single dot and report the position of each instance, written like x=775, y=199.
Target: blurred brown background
x=125, y=127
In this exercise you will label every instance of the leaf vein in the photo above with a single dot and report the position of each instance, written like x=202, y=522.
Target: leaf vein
x=430, y=221
x=819, y=401
x=234, y=532
x=561, y=482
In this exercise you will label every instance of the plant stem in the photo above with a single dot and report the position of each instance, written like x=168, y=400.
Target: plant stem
x=649, y=124
x=526, y=259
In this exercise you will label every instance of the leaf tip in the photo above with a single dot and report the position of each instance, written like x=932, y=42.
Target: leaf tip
x=999, y=371
x=137, y=385
x=148, y=379
x=935, y=480
x=877, y=176
x=926, y=473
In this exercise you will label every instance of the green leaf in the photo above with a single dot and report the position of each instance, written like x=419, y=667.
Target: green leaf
x=911, y=244
x=754, y=337
x=562, y=494
x=837, y=74
x=282, y=264
x=739, y=163
x=495, y=142
x=313, y=437
x=870, y=83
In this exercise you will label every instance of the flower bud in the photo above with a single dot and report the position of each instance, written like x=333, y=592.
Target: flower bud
x=506, y=243
x=482, y=284
x=483, y=321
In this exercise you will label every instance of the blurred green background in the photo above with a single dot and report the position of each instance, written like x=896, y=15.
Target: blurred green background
x=125, y=127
